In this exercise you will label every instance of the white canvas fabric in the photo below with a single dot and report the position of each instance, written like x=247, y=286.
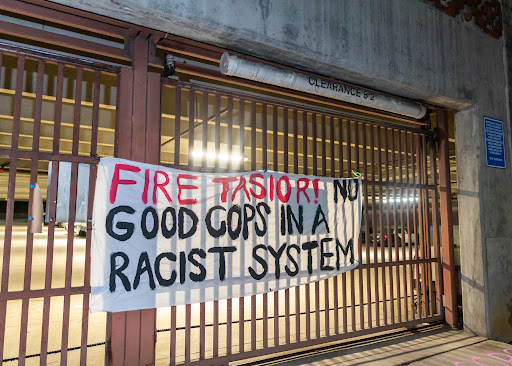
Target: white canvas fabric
x=164, y=237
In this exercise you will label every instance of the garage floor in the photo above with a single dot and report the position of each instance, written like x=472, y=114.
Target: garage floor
x=429, y=345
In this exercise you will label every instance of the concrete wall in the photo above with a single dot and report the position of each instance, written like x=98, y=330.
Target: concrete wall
x=400, y=46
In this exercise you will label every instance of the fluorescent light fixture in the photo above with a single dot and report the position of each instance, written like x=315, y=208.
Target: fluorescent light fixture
x=234, y=157
x=399, y=199
x=197, y=154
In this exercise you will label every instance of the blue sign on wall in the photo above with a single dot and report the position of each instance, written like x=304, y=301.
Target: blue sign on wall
x=494, y=143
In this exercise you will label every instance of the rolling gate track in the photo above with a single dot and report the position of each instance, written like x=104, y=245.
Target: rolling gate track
x=67, y=110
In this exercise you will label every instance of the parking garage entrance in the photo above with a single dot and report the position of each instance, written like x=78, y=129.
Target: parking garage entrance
x=59, y=114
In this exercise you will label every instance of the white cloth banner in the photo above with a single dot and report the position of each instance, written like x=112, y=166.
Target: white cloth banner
x=164, y=237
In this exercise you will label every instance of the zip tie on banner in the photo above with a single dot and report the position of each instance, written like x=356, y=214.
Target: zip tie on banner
x=265, y=171
x=32, y=186
x=358, y=175
x=359, y=261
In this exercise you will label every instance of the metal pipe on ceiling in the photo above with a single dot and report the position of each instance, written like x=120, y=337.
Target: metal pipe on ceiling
x=233, y=65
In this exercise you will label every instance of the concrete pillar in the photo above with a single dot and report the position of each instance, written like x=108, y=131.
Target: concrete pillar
x=485, y=228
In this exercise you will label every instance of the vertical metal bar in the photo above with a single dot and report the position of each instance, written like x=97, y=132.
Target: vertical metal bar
x=229, y=141
x=52, y=201
x=287, y=315
x=253, y=136
x=172, y=346
x=374, y=226
x=265, y=320
x=422, y=220
x=77, y=110
x=285, y=169
x=275, y=164
x=151, y=143
x=242, y=132
x=415, y=227
x=428, y=252
x=188, y=320
x=366, y=226
x=177, y=126
x=87, y=269
x=253, y=322
x=449, y=274
x=216, y=138
x=30, y=235
x=117, y=332
x=192, y=125
x=92, y=180
x=264, y=146
x=317, y=308
x=253, y=168
x=123, y=122
x=295, y=133
x=71, y=214
x=404, y=200
x=116, y=322
x=285, y=140
x=138, y=145
x=202, y=330
x=381, y=226
x=352, y=282
x=324, y=173
x=241, y=323
x=69, y=261
x=216, y=329
x=343, y=275
x=410, y=181
x=435, y=223
x=420, y=281
x=217, y=165
x=324, y=146
x=315, y=172
x=58, y=108
x=275, y=167
x=335, y=279
x=389, y=224
x=276, y=318
x=395, y=225
x=264, y=142
x=95, y=112
x=315, y=144
x=305, y=170
x=229, y=326
x=360, y=246
x=204, y=117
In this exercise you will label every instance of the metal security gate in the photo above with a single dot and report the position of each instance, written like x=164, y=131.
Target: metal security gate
x=62, y=112
x=57, y=114
x=399, y=282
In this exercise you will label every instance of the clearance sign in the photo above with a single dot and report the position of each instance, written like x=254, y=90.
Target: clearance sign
x=164, y=237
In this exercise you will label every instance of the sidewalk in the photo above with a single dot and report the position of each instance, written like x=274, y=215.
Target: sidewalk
x=430, y=345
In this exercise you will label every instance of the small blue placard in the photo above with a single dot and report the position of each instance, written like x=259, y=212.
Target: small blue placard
x=494, y=143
